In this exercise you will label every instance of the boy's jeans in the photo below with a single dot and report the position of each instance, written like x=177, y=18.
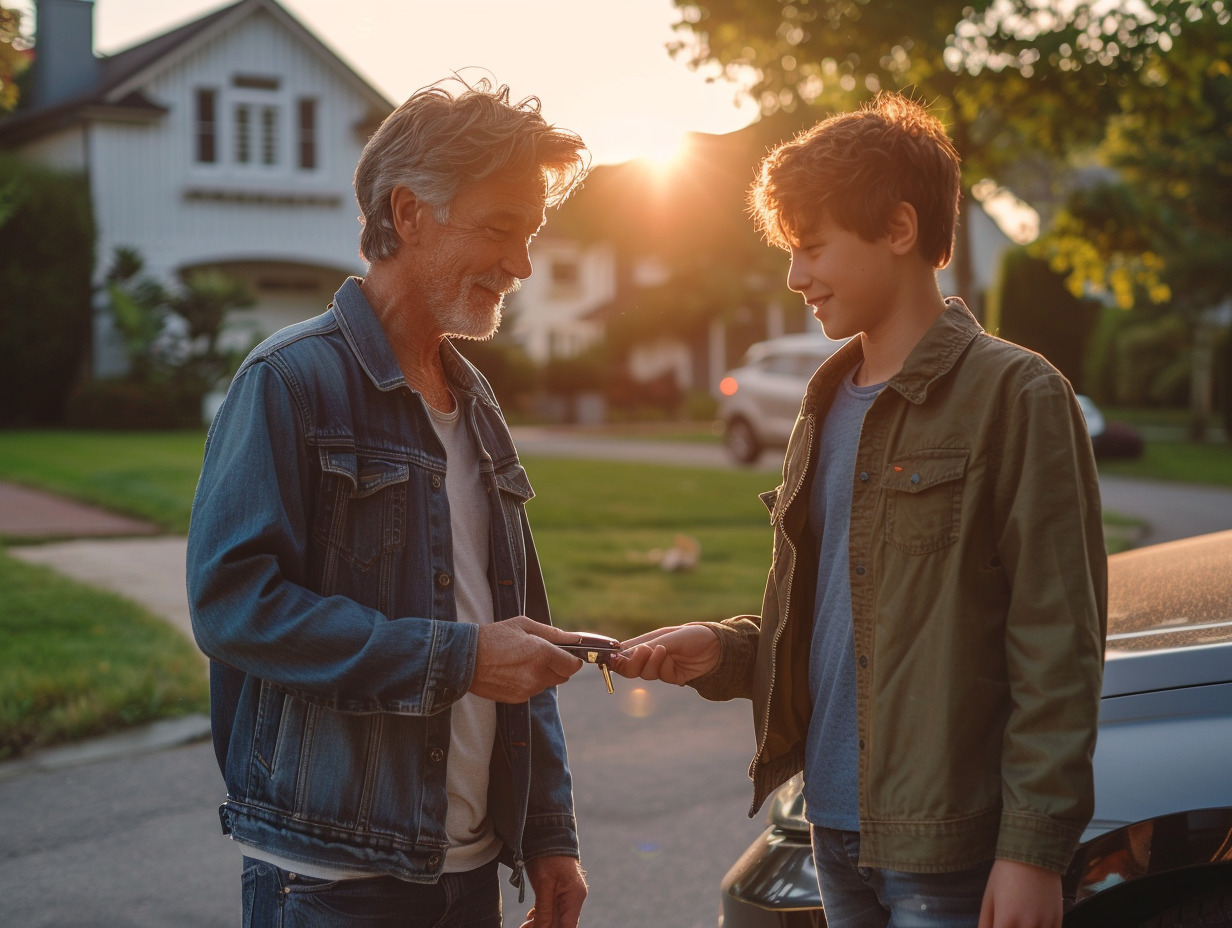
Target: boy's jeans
x=864, y=897
x=274, y=898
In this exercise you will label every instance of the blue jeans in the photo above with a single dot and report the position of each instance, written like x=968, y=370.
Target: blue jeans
x=869, y=897
x=274, y=898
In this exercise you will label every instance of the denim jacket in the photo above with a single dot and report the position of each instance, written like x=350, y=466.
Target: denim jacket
x=978, y=600
x=320, y=585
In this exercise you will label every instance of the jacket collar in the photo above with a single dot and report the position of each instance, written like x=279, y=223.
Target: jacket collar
x=937, y=352
x=363, y=333
x=932, y=358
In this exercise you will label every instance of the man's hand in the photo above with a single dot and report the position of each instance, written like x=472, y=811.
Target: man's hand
x=1021, y=896
x=560, y=889
x=674, y=655
x=517, y=660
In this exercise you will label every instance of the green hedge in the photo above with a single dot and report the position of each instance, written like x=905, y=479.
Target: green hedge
x=46, y=262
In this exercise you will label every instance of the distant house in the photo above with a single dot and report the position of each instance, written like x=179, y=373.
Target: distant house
x=228, y=143
x=665, y=267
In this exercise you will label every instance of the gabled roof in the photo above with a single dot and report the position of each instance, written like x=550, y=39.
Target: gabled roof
x=124, y=74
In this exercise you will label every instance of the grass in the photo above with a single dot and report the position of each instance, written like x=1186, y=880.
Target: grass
x=599, y=524
x=150, y=475
x=77, y=662
x=1183, y=462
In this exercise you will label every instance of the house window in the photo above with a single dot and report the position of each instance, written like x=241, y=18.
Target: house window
x=269, y=135
x=256, y=134
x=243, y=134
x=307, y=134
x=207, y=126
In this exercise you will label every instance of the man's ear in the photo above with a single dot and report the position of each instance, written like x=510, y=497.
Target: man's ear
x=903, y=228
x=406, y=212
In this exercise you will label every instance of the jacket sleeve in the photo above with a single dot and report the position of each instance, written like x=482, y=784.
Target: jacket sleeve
x=250, y=599
x=1051, y=545
x=551, y=827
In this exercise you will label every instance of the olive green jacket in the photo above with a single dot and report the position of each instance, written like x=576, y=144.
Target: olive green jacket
x=979, y=605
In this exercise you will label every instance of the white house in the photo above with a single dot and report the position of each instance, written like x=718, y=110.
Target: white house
x=227, y=143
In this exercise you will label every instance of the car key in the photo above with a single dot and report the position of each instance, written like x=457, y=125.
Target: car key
x=594, y=649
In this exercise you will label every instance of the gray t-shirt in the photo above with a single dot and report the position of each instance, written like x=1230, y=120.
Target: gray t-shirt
x=472, y=843
x=831, y=759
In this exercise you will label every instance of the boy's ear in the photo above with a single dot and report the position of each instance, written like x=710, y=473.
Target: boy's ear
x=903, y=229
x=406, y=212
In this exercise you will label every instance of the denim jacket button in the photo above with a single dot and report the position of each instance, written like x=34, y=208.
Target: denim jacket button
x=434, y=860
x=437, y=755
x=436, y=481
x=443, y=579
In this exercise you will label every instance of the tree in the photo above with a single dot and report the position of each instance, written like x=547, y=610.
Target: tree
x=1007, y=76
x=1158, y=229
x=12, y=58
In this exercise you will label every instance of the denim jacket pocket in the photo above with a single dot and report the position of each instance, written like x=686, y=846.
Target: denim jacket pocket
x=924, y=491
x=364, y=505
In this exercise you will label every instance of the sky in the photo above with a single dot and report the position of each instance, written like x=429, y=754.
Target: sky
x=600, y=67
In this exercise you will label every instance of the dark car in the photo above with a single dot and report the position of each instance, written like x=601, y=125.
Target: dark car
x=1159, y=849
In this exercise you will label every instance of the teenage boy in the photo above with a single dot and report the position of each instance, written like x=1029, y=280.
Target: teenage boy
x=930, y=646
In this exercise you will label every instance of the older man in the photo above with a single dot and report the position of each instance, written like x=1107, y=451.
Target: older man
x=360, y=567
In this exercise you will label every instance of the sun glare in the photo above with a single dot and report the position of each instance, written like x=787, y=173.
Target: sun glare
x=661, y=146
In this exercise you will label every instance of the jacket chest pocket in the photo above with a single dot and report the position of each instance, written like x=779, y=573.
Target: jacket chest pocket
x=924, y=491
x=364, y=507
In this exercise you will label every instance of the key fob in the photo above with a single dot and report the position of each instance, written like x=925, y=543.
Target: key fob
x=594, y=649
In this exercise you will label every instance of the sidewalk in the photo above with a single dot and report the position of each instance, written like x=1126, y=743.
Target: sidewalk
x=33, y=514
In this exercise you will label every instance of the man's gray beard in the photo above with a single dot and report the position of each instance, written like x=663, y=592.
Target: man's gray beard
x=458, y=322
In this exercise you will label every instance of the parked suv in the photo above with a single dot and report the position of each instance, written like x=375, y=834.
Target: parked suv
x=761, y=398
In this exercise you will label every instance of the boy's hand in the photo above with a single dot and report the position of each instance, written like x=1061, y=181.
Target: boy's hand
x=1021, y=896
x=676, y=654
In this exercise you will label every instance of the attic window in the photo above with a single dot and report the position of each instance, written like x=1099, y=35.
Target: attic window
x=307, y=114
x=207, y=126
x=255, y=82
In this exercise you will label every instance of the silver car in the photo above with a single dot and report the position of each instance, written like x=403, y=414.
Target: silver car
x=1159, y=849
x=760, y=399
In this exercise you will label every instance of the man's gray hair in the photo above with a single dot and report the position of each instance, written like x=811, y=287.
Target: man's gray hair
x=439, y=143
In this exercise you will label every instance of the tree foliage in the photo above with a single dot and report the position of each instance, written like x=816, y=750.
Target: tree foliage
x=1160, y=226
x=12, y=58
x=1007, y=76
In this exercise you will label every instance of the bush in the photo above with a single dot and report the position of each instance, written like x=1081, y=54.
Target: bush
x=1039, y=312
x=133, y=405
x=46, y=263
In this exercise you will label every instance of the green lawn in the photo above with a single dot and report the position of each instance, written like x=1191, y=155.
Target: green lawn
x=76, y=662
x=1183, y=462
x=151, y=475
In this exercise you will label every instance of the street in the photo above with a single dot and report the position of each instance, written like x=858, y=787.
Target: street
x=661, y=795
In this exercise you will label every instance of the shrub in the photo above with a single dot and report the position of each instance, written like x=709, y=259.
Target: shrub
x=133, y=405
x=46, y=262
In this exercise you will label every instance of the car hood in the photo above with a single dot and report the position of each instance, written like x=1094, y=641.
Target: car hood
x=1170, y=615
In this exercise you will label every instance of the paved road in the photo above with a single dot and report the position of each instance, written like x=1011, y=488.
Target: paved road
x=661, y=798
x=661, y=788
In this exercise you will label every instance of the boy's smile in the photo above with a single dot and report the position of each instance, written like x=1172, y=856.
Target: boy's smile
x=849, y=282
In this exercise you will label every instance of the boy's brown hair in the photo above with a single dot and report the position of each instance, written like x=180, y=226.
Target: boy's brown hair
x=856, y=168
